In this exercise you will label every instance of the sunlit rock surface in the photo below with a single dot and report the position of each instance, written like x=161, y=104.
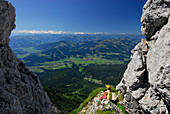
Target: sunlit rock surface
x=146, y=82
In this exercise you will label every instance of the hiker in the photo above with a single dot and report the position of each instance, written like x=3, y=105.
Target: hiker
x=107, y=94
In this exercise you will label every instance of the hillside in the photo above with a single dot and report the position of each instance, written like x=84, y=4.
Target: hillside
x=64, y=54
x=25, y=44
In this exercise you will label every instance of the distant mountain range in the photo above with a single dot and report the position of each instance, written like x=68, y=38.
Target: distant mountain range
x=34, y=40
x=111, y=49
x=24, y=45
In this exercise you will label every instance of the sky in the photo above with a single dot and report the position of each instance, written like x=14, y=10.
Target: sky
x=78, y=16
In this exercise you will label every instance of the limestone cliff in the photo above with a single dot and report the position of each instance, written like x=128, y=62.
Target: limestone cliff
x=20, y=90
x=146, y=82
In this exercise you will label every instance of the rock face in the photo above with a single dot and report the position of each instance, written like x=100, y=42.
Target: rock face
x=20, y=90
x=146, y=82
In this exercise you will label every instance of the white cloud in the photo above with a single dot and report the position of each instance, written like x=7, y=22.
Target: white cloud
x=101, y=33
x=40, y=32
x=53, y=32
x=79, y=33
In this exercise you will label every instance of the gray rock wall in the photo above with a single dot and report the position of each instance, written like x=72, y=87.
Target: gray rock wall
x=146, y=82
x=20, y=90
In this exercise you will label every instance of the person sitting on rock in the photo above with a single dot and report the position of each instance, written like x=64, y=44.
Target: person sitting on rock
x=107, y=94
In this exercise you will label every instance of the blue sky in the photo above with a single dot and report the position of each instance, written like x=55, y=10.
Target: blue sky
x=113, y=16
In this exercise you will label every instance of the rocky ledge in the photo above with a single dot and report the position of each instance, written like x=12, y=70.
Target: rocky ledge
x=95, y=106
x=146, y=82
x=20, y=90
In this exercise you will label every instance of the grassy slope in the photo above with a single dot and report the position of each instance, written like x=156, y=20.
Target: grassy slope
x=91, y=96
x=64, y=100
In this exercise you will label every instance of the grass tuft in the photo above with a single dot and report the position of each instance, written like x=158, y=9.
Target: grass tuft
x=122, y=108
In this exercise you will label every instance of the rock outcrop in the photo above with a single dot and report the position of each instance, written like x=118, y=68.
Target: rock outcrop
x=95, y=106
x=20, y=90
x=146, y=82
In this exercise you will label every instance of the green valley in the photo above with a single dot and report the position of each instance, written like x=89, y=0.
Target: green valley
x=70, y=69
x=69, y=54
